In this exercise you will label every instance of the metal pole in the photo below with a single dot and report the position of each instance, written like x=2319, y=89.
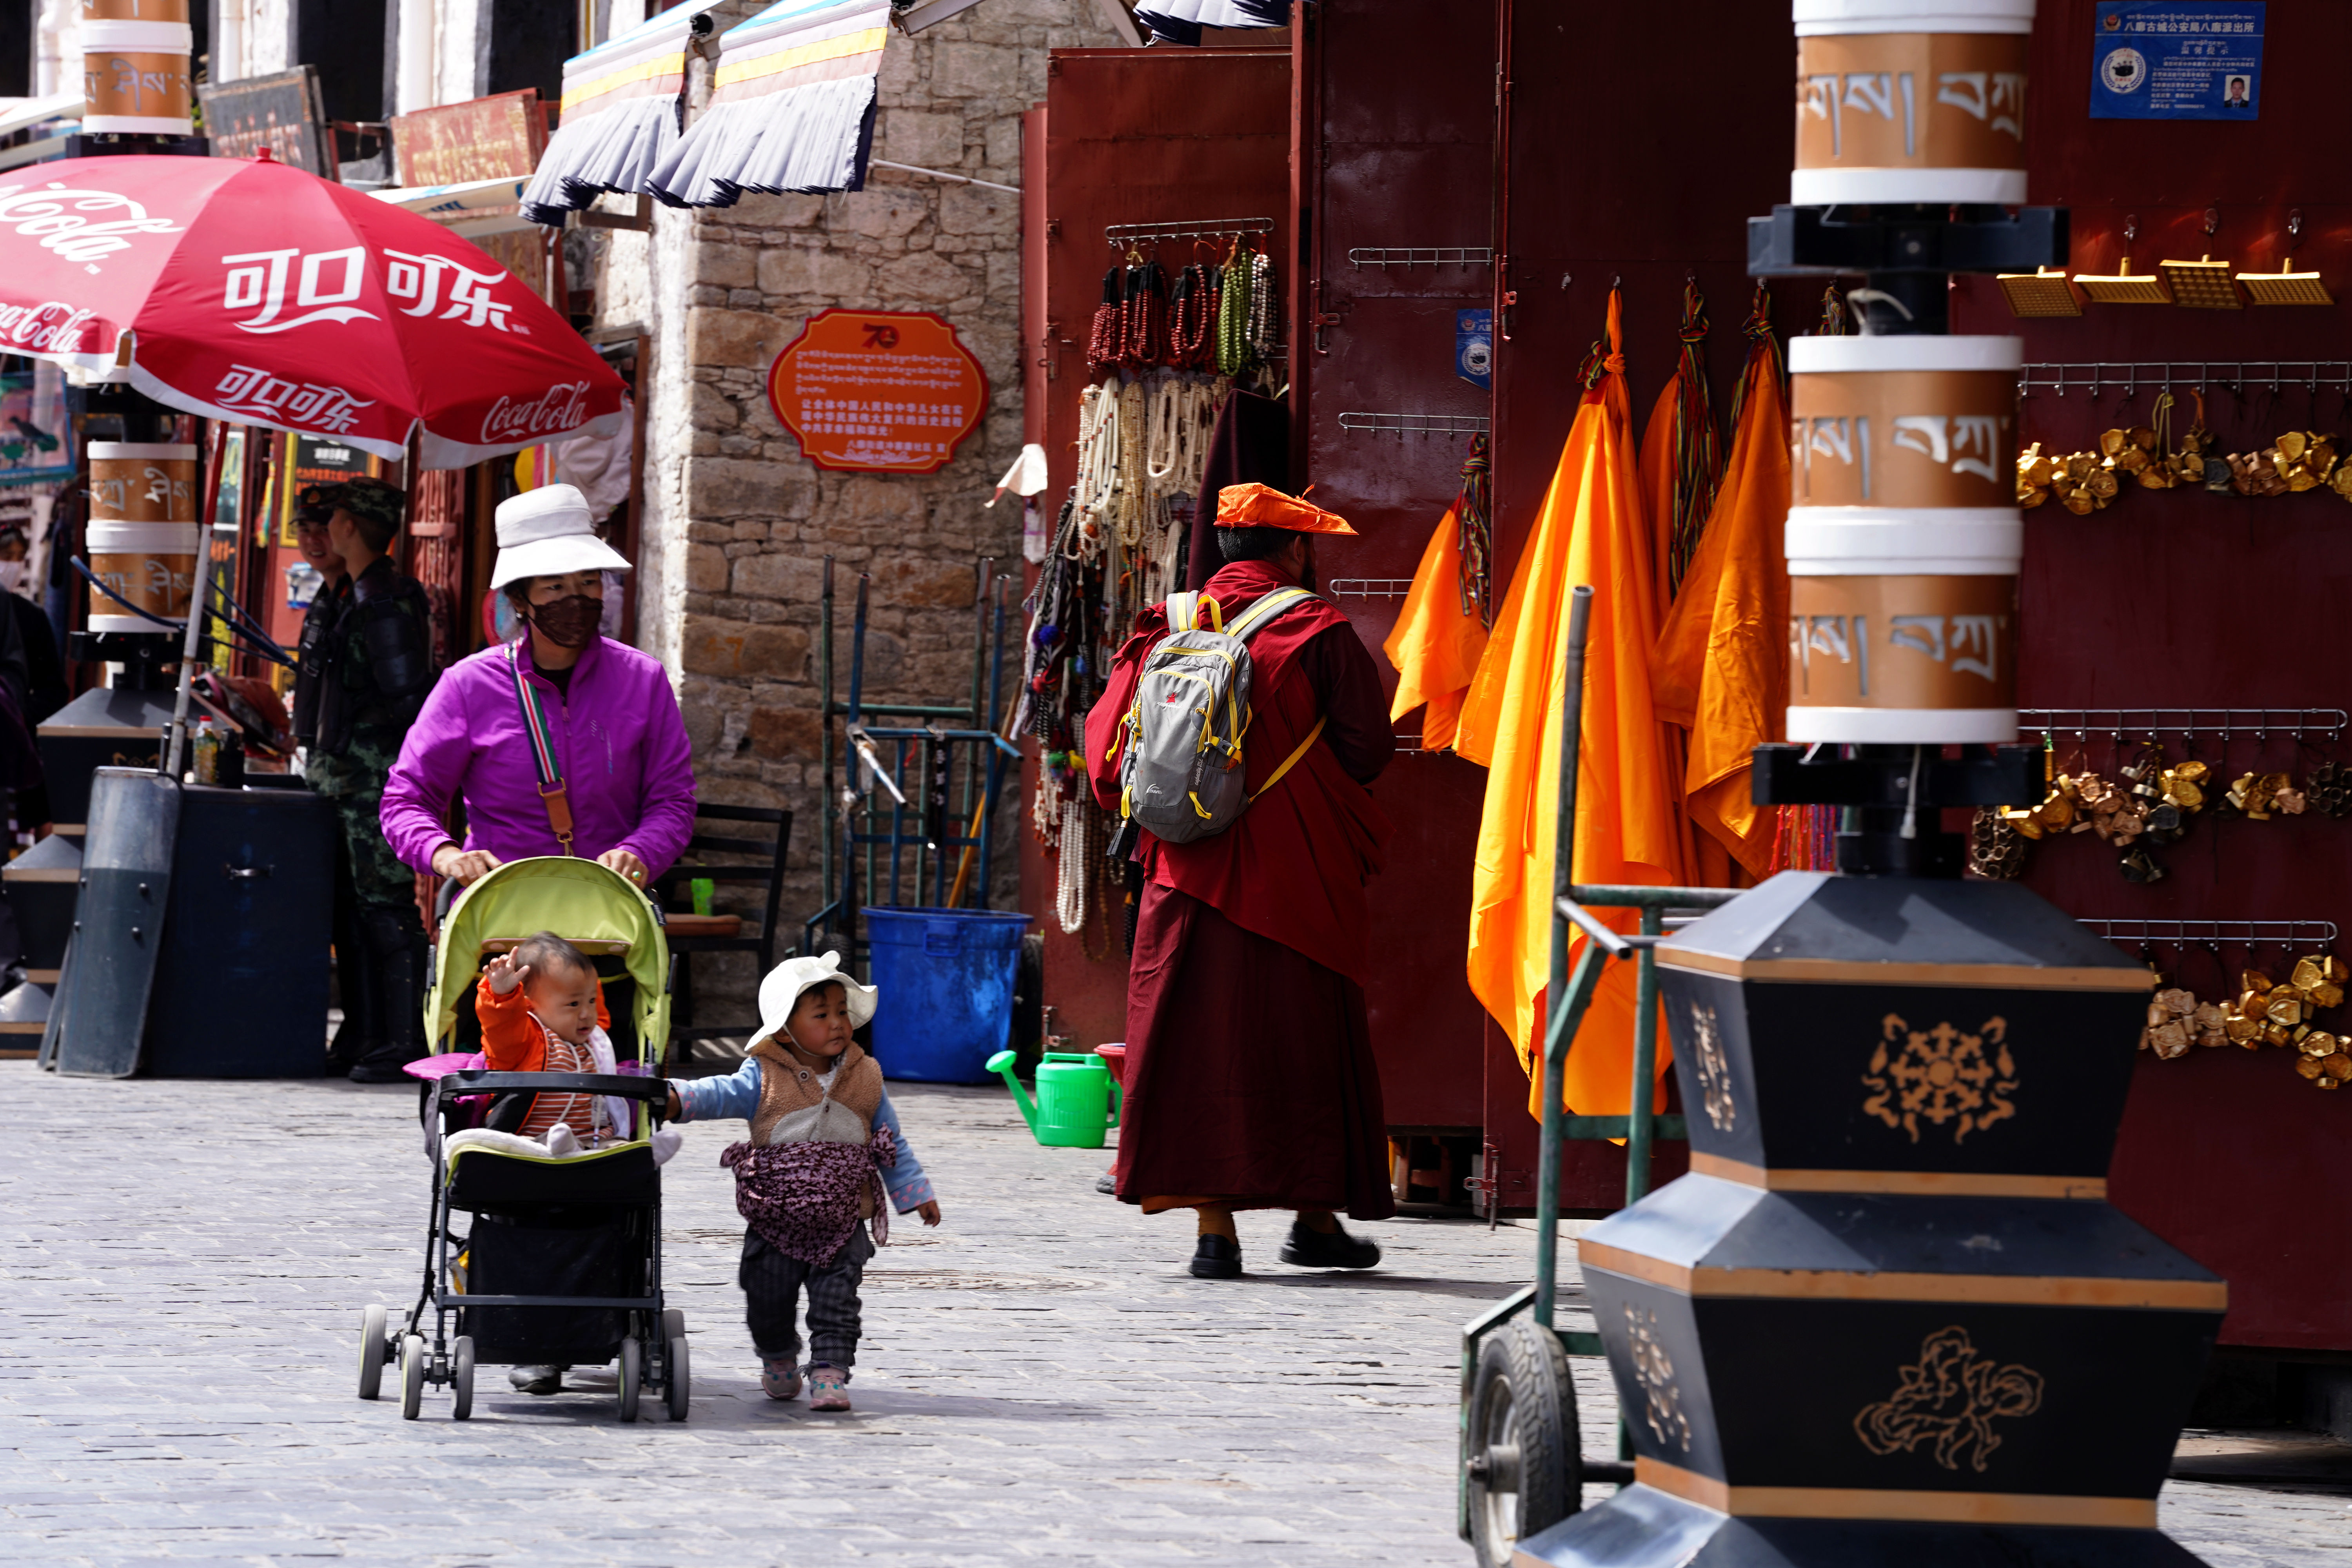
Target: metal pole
x=825, y=730
x=995, y=769
x=1642, y=1123
x=199, y=606
x=1563, y=868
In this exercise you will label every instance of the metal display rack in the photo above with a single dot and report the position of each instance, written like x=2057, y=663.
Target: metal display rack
x=2094, y=376
x=1404, y=425
x=2245, y=933
x=1122, y=235
x=1421, y=255
x=2326, y=723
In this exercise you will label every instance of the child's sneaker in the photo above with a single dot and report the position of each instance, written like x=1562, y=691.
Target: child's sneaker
x=781, y=1376
x=828, y=1387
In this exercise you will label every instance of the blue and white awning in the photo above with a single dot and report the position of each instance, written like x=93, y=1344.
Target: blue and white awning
x=792, y=105
x=620, y=116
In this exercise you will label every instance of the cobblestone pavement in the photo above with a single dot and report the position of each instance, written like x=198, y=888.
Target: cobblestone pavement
x=184, y=1264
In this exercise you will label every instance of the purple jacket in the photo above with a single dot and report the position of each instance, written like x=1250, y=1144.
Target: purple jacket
x=628, y=768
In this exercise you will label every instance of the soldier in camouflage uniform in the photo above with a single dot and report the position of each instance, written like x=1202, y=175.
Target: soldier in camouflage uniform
x=363, y=675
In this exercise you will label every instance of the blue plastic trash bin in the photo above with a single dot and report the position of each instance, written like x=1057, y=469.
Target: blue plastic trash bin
x=946, y=978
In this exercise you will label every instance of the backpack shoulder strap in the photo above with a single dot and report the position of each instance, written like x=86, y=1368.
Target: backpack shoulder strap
x=1267, y=607
x=1185, y=613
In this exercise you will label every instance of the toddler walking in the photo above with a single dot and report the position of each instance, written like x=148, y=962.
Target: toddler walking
x=823, y=1130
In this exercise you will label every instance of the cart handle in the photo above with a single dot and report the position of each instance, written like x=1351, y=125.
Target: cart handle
x=1611, y=943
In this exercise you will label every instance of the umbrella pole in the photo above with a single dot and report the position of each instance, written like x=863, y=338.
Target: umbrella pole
x=199, y=602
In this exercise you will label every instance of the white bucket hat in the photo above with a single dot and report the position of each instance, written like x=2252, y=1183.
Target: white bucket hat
x=780, y=991
x=546, y=532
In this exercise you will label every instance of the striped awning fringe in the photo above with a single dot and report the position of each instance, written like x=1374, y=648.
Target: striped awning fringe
x=1181, y=21
x=792, y=105
x=620, y=116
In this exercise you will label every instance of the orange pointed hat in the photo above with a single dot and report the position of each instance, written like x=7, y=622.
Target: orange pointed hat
x=1262, y=506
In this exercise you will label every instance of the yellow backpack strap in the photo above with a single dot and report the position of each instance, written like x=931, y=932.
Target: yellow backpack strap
x=1291, y=761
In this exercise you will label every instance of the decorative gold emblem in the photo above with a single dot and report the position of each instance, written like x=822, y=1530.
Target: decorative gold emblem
x=1661, y=1401
x=1951, y=1398
x=1941, y=1075
x=1714, y=1068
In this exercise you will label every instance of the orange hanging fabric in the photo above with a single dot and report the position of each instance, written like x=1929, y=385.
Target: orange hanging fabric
x=1721, y=663
x=1591, y=531
x=1442, y=630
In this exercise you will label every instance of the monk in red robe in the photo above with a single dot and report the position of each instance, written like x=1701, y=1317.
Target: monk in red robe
x=1250, y=1081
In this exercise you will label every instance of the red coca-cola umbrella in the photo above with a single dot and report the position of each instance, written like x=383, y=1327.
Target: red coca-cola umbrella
x=255, y=292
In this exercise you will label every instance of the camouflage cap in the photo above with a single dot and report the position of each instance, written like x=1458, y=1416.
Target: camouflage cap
x=382, y=504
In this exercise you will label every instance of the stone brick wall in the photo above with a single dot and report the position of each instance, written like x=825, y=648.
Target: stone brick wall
x=738, y=523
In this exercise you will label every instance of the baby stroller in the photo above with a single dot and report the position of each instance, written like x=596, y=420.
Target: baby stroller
x=560, y=1262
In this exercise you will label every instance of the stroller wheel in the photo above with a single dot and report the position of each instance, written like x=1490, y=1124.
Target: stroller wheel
x=372, y=1348
x=633, y=1371
x=461, y=1377
x=411, y=1376
x=680, y=1384
x=673, y=1324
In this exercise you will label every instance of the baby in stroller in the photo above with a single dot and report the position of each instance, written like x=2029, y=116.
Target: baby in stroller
x=539, y=1005
x=543, y=1250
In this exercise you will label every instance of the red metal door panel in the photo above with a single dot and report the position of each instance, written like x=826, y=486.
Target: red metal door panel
x=2179, y=597
x=1399, y=134
x=1643, y=174
x=1130, y=136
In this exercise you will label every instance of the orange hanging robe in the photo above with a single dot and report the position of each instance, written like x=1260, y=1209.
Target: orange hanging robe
x=1591, y=531
x=1442, y=631
x=1721, y=663
x=1436, y=644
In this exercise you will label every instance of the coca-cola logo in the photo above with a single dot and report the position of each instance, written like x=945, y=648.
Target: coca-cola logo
x=52, y=327
x=560, y=408
x=85, y=226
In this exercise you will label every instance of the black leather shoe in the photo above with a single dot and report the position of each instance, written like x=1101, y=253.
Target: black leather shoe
x=1334, y=1248
x=1217, y=1257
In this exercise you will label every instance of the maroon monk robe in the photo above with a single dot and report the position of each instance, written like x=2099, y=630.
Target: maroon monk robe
x=1250, y=1078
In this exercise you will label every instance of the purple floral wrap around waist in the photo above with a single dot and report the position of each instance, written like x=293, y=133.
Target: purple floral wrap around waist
x=803, y=1198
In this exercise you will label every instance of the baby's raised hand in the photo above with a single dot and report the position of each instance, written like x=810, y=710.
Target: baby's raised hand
x=504, y=973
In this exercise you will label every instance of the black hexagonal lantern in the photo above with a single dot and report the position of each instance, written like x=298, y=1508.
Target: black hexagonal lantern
x=1890, y=1318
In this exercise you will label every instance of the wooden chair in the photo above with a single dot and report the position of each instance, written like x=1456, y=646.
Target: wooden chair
x=689, y=934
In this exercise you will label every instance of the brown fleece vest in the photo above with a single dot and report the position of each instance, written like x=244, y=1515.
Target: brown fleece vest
x=785, y=1085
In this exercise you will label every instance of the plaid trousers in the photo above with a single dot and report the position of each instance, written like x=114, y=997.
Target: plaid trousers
x=771, y=1288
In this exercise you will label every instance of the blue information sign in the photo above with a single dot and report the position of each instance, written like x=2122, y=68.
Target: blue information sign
x=1473, y=347
x=2176, y=59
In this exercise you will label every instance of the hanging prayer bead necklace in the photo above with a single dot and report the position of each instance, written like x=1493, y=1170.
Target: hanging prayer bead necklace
x=1261, y=317
x=1103, y=338
x=1145, y=342
x=1233, y=314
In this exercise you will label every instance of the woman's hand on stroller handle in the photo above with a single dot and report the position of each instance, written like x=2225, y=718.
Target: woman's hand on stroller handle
x=467, y=865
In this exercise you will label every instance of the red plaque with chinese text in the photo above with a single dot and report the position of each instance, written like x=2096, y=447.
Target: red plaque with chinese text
x=890, y=392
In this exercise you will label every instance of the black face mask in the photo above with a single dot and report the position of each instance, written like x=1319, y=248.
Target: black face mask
x=570, y=621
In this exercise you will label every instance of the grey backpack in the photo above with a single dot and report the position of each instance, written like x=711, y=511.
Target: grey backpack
x=1181, y=776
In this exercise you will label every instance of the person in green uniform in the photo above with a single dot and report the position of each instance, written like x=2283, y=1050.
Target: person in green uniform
x=370, y=670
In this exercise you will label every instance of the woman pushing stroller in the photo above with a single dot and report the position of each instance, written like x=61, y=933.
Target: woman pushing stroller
x=824, y=1135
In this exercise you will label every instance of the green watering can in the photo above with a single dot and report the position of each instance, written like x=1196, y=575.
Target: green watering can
x=1077, y=1099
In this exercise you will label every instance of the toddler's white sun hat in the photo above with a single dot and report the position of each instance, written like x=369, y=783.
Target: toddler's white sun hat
x=782, y=987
